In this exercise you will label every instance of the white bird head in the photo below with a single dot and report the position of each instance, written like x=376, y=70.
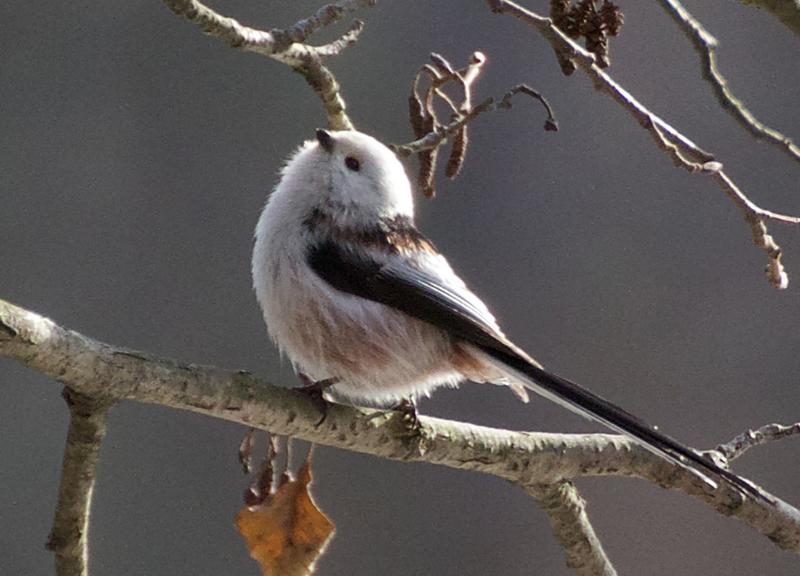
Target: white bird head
x=353, y=174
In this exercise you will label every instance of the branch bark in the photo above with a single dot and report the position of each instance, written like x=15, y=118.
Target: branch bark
x=69, y=537
x=288, y=46
x=524, y=458
x=737, y=446
x=567, y=513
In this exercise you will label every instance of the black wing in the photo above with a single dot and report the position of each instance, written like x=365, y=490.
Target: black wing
x=423, y=295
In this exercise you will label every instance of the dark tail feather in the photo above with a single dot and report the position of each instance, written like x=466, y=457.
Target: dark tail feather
x=594, y=407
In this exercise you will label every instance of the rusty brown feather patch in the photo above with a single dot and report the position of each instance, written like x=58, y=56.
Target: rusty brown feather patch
x=396, y=235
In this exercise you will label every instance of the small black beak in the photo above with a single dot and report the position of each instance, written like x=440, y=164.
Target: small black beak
x=325, y=139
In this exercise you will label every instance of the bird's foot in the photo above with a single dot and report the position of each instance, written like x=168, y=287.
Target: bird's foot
x=408, y=409
x=315, y=391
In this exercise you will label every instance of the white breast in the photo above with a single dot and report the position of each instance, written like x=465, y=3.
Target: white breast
x=380, y=355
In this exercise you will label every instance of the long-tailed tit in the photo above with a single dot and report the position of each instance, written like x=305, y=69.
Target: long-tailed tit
x=355, y=295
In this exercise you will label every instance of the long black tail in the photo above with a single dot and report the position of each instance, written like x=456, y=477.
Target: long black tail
x=420, y=291
x=594, y=407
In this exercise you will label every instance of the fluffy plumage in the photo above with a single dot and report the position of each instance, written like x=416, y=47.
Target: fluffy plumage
x=351, y=290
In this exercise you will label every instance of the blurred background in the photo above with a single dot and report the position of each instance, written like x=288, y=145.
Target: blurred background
x=136, y=153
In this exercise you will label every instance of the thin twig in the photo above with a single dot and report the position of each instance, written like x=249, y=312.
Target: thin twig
x=753, y=214
x=787, y=11
x=69, y=536
x=563, y=44
x=737, y=446
x=680, y=148
x=337, y=46
x=325, y=16
x=524, y=458
x=438, y=136
x=431, y=134
x=288, y=46
x=567, y=513
x=550, y=123
x=705, y=45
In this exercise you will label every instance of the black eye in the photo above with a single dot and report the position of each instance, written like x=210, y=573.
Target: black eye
x=352, y=163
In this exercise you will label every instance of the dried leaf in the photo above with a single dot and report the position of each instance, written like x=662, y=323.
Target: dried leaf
x=287, y=533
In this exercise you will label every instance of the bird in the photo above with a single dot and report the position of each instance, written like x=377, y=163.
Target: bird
x=366, y=307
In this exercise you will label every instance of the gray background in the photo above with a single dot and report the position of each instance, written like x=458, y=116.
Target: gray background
x=135, y=154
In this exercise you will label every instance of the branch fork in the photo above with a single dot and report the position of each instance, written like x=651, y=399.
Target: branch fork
x=681, y=149
x=431, y=133
x=541, y=463
x=96, y=375
x=288, y=46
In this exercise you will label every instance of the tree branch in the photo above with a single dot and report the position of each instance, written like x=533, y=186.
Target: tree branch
x=439, y=135
x=683, y=151
x=737, y=446
x=69, y=536
x=705, y=45
x=787, y=11
x=567, y=513
x=524, y=458
x=431, y=134
x=288, y=46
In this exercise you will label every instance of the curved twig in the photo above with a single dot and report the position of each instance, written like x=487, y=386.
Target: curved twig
x=705, y=45
x=431, y=133
x=438, y=136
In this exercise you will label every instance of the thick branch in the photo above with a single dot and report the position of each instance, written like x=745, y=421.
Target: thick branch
x=525, y=458
x=705, y=45
x=683, y=151
x=287, y=46
x=69, y=536
x=567, y=513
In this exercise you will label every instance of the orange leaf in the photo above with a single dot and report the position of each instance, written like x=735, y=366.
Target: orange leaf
x=287, y=533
